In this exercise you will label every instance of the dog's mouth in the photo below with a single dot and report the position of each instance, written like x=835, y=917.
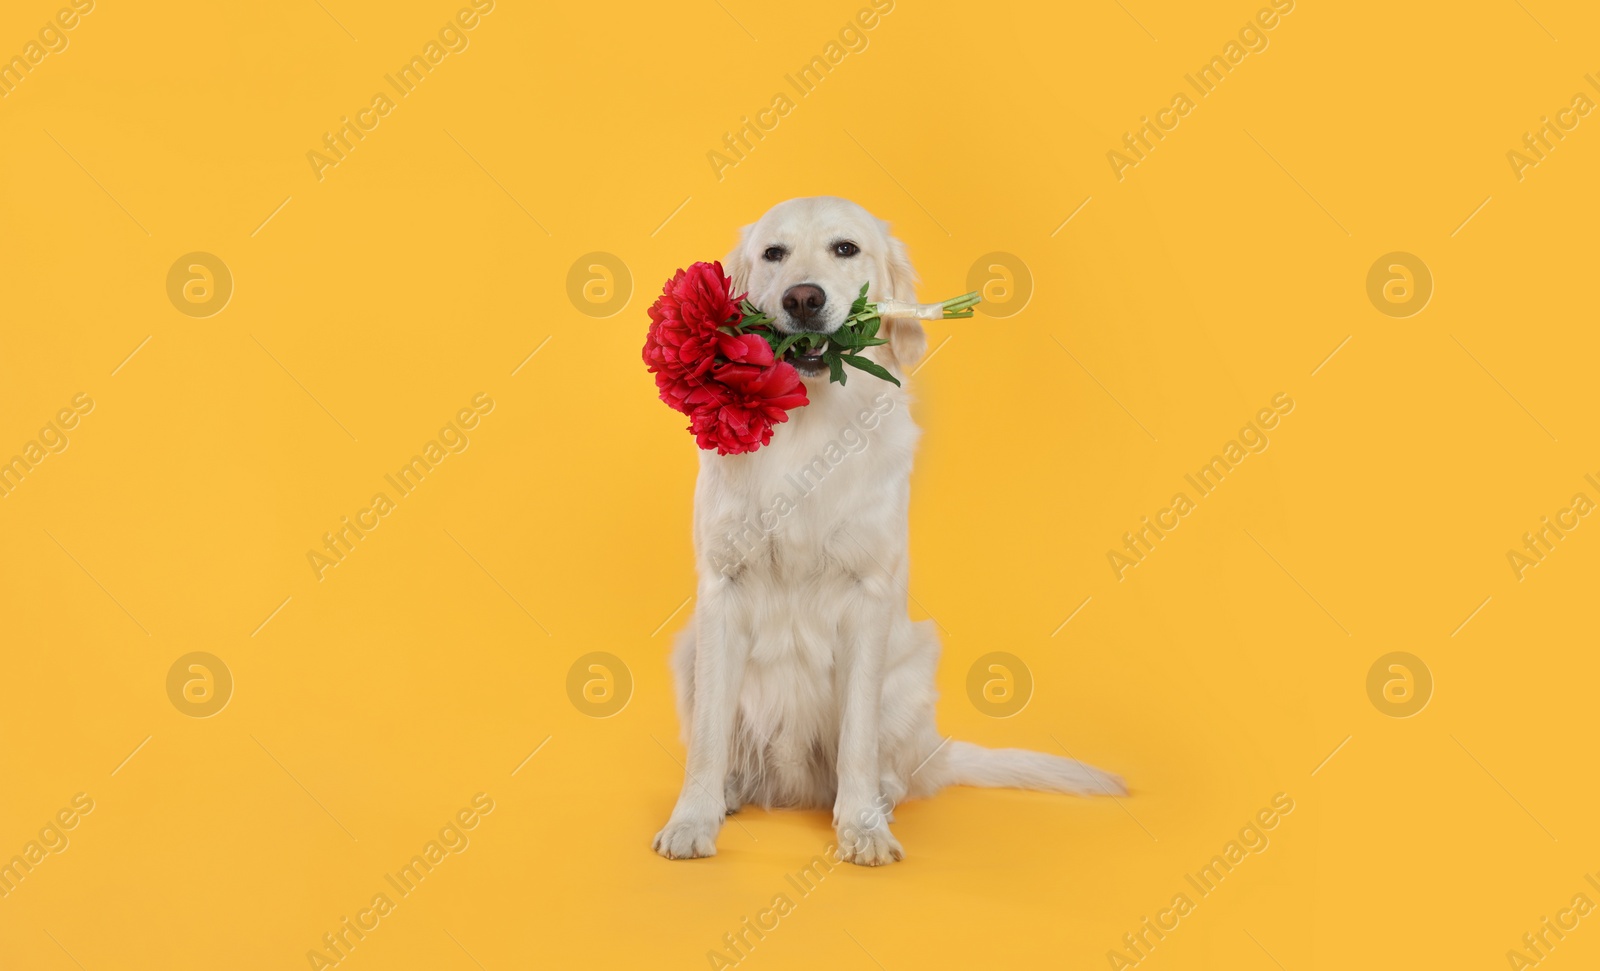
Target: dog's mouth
x=809, y=362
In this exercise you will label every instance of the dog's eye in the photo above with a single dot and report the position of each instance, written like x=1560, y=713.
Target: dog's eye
x=773, y=254
x=845, y=249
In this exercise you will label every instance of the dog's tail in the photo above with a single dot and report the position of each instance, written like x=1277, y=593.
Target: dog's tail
x=965, y=764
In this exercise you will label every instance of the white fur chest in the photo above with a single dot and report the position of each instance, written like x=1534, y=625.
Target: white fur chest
x=818, y=499
x=788, y=534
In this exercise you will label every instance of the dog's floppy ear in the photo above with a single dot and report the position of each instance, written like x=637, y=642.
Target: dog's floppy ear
x=907, y=340
x=737, y=264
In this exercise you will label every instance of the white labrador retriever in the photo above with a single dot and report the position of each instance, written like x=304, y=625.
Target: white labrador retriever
x=801, y=680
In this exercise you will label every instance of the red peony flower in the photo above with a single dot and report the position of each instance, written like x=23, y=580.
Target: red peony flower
x=749, y=400
x=729, y=383
x=745, y=349
x=718, y=359
x=685, y=318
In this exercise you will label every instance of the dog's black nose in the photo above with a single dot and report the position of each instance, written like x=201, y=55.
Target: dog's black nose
x=804, y=302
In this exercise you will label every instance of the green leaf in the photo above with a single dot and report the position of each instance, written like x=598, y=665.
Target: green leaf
x=835, y=369
x=871, y=367
x=752, y=315
x=860, y=303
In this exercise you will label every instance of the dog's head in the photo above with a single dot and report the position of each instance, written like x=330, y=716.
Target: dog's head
x=804, y=263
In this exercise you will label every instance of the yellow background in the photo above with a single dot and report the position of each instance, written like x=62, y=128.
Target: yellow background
x=425, y=268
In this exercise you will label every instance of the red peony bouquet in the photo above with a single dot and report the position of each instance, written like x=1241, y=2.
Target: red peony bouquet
x=719, y=359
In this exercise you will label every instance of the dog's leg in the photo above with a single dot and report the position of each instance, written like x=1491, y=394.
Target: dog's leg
x=718, y=671
x=860, y=814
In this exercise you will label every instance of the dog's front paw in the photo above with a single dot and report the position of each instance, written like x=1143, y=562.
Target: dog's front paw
x=869, y=846
x=687, y=838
